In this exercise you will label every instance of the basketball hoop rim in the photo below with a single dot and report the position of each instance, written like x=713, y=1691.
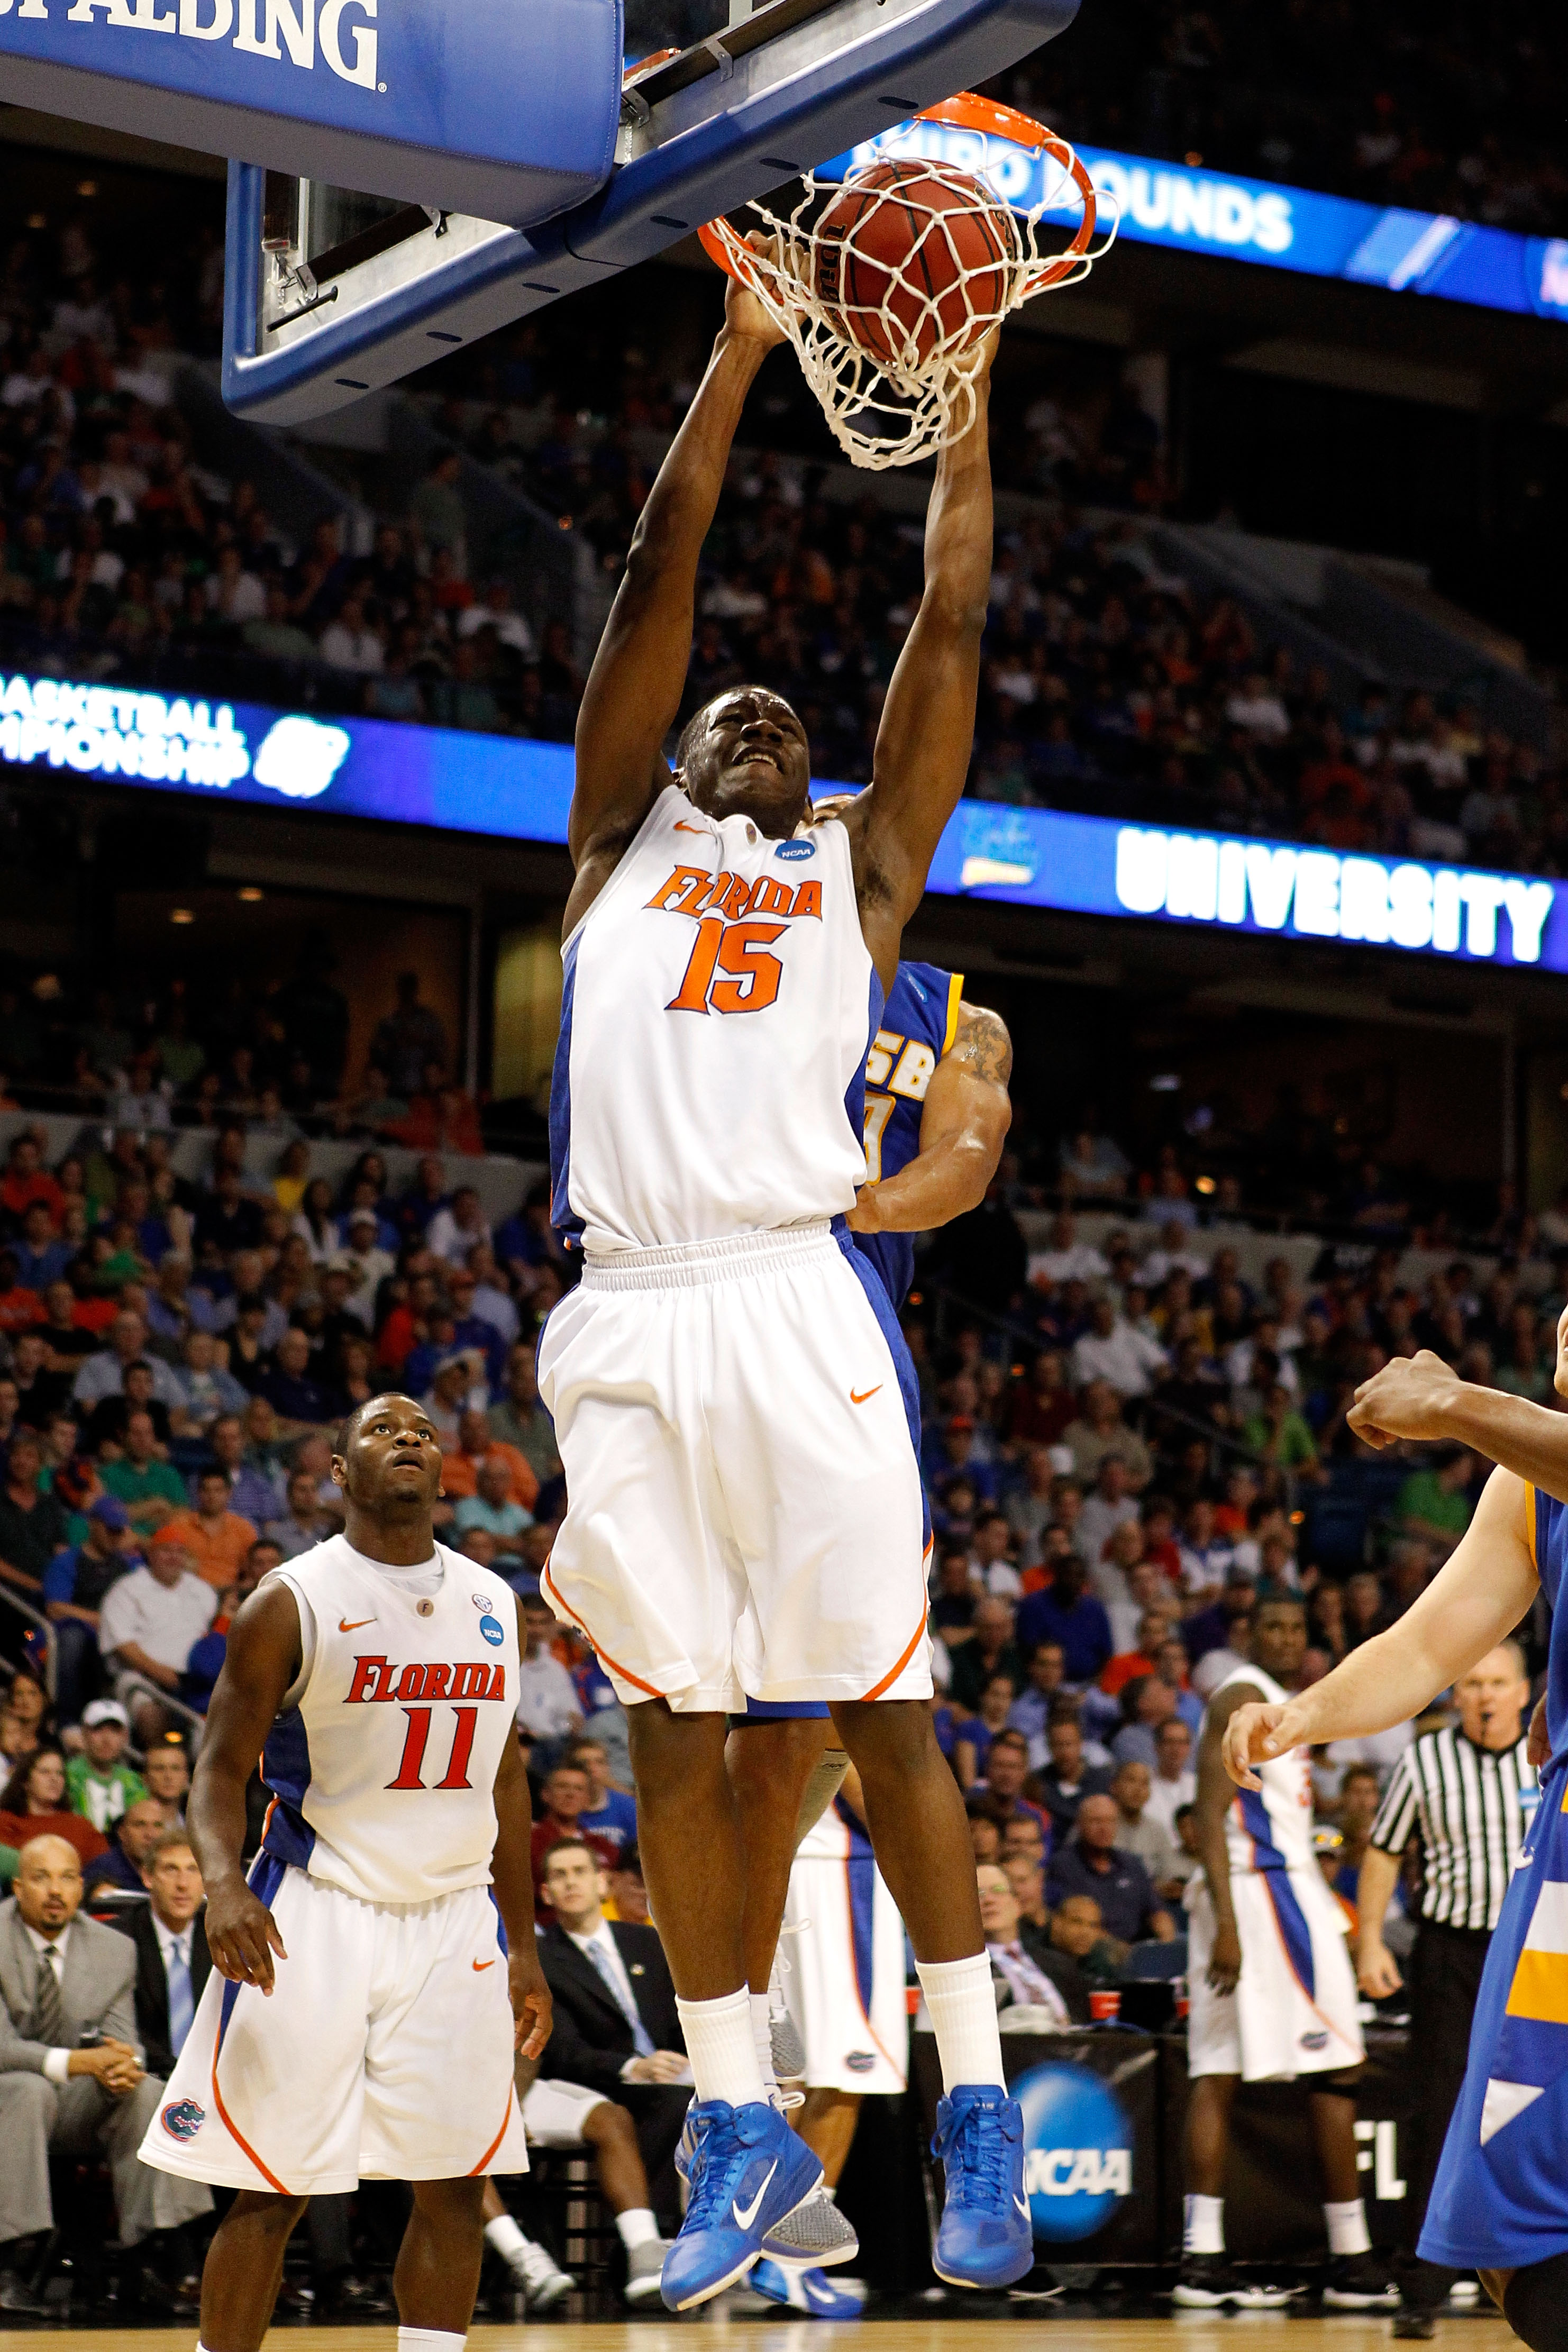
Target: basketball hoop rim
x=964, y=111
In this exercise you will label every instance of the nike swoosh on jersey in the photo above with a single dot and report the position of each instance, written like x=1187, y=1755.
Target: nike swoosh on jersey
x=352, y=1625
x=700, y=829
x=744, y=2221
x=864, y=1393
x=482, y=1964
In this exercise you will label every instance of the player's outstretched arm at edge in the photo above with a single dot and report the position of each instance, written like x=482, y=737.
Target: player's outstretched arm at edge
x=512, y=1883
x=1474, y=1601
x=639, y=676
x=1422, y=1397
x=1213, y=1801
x=963, y=1125
x=927, y=733
x=260, y=1662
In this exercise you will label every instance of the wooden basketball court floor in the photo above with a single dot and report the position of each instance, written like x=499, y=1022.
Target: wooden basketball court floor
x=1181, y=2332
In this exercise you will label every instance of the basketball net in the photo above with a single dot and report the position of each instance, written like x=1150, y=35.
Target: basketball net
x=917, y=396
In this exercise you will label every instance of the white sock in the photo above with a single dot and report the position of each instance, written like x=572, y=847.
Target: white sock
x=504, y=2235
x=1347, y=2227
x=1203, y=2231
x=962, y=2008
x=723, y=2052
x=429, y=2339
x=762, y=2035
x=638, y=2228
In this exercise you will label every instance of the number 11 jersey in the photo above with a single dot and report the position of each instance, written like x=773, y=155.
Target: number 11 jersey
x=381, y=1774
x=718, y=1003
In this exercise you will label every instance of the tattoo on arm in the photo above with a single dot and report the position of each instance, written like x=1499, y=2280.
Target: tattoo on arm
x=982, y=1045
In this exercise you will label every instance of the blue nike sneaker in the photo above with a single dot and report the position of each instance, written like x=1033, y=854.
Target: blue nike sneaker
x=812, y=2292
x=987, y=2238
x=746, y=2169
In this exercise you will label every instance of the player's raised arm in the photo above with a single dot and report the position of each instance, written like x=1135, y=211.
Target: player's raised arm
x=1422, y=1397
x=1474, y=1603
x=927, y=733
x=639, y=676
x=963, y=1125
x=262, y=1659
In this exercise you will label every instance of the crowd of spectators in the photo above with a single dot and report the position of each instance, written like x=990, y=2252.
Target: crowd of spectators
x=1110, y=683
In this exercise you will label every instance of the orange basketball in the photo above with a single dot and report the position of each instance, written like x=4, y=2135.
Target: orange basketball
x=905, y=258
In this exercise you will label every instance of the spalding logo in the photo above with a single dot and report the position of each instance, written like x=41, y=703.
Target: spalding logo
x=183, y=2119
x=490, y=1628
x=1078, y=2150
x=796, y=849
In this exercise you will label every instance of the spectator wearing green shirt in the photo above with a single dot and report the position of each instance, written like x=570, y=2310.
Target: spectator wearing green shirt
x=1280, y=1435
x=100, y=1784
x=1433, y=1502
x=150, y=1489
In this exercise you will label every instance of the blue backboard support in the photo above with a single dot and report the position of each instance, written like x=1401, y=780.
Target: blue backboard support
x=410, y=99
x=748, y=111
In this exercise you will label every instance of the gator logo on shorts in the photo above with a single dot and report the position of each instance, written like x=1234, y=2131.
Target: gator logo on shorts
x=182, y=2118
x=1314, y=2041
x=860, y=2061
x=792, y=849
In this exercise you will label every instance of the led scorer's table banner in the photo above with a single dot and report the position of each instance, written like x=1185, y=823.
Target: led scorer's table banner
x=496, y=785
x=1197, y=211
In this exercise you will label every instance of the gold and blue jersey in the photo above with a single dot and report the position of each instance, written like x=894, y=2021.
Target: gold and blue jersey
x=919, y=1022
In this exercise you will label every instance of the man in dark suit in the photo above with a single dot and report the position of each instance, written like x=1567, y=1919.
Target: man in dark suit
x=1027, y=1971
x=617, y=2028
x=73, y=2077
x=172, y=1963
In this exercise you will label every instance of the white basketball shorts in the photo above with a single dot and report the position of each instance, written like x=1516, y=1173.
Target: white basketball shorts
x=1294, y=2008
x=553, y=2114
x=737, y=1420
x=842, y=1964
x=382, y=2052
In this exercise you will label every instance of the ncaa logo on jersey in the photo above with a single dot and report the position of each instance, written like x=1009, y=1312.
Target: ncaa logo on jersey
x=796, y=849
x=182, y=2118
x=490, y=1628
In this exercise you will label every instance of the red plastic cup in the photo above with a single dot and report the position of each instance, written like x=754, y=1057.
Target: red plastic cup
x=1184, y=2002
x=1103, y=2007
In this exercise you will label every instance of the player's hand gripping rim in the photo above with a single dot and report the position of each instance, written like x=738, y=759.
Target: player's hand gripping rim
x=242, y=1935
x=532, y=2006
x=1256, y=1734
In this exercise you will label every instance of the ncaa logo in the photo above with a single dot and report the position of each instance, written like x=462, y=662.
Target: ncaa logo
x=796, y=849
x=183, y=2119
x=1077, y=2151
x=490, y=1628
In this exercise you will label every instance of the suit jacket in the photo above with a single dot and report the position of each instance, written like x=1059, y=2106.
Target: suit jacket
x=592, y=2039
x=152, y=1985
x=97, y=1990
x=1060, y=1966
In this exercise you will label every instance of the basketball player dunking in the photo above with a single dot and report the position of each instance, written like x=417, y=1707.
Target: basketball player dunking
x=361, y=2018
x=731, y=1396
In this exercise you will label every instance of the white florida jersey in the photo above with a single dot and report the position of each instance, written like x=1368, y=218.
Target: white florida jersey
x=718, y=1003
x=1273, y=1830
x=383, y=1774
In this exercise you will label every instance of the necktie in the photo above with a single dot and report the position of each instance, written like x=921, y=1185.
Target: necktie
x=642, y=2041
x=182, y=2002
x=48, y=2014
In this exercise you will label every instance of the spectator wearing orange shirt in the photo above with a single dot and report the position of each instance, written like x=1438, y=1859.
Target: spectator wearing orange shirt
x=477, y=1444
x=20, y=1308
x=441, y=1118
x=1144, y=1660
x=217, y=1538
x=27, y=1180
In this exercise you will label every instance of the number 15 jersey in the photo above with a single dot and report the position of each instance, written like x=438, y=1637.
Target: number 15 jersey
x=718, y=1003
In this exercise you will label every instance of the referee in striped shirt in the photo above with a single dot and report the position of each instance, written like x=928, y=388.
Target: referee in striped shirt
x=1463, y=1791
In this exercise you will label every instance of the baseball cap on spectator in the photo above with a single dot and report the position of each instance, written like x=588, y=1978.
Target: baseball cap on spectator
x=109, y=1512
x=104, y=1710
x=363, y=1216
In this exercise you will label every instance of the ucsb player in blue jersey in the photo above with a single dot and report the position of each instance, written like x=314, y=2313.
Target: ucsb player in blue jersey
x=1500, y=2204
x=937, y=1115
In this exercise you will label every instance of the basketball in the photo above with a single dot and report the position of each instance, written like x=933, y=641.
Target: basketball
x=908, y=258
